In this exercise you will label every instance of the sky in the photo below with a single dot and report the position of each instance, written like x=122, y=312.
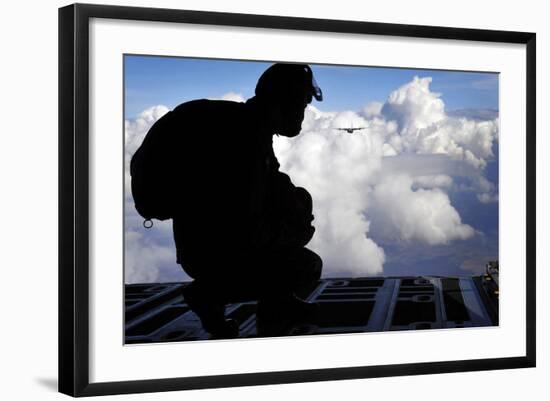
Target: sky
x=413, y=193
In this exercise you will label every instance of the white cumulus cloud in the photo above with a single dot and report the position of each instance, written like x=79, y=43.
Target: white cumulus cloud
x=414, y=106
x=353, y=183
x=424, y=215
x=426, y=128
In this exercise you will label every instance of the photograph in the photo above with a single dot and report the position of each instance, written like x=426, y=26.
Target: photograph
x=282, y=199
x=258, y=199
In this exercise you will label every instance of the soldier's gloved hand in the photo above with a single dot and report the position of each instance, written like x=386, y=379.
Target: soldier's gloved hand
x=307, y=235
x=293, y=236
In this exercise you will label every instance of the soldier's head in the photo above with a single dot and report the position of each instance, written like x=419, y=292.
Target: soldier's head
x=286, y=90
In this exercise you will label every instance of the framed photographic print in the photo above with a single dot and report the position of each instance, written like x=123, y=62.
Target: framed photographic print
x=249, y=199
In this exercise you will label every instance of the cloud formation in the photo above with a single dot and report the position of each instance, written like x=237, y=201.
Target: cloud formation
x=424, y=215
x=393, y=176
x=425, y=128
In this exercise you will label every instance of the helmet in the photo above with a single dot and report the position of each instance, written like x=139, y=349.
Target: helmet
x=282, y=80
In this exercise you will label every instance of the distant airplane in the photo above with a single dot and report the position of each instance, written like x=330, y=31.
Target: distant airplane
x=351, y=129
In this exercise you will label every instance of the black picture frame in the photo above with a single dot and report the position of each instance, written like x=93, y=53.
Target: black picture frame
x=74, y=198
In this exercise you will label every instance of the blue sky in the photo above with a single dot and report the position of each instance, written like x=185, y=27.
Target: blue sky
x=170, y=81
x=434, y=212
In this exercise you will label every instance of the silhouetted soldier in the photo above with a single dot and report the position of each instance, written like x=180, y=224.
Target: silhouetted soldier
x=240, y=225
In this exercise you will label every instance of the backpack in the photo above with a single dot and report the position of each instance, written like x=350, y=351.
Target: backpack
x=152, y=174
x=181, y=167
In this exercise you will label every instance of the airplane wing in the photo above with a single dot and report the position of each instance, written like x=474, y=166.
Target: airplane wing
x=350, y=130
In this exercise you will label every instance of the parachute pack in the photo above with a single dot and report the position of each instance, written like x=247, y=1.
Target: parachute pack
x=151, y=175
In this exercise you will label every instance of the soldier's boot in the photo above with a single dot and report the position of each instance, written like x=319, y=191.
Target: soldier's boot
x=276, y=316
x=210, y=313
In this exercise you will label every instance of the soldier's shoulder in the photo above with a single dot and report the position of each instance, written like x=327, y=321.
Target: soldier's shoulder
x=209, y=106
x=210, y=115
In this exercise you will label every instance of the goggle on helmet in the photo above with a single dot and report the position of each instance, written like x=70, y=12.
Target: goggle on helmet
x=282, y=79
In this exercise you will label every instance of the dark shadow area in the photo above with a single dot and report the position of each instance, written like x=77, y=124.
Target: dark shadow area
x=240, y=225
x=48, y=383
